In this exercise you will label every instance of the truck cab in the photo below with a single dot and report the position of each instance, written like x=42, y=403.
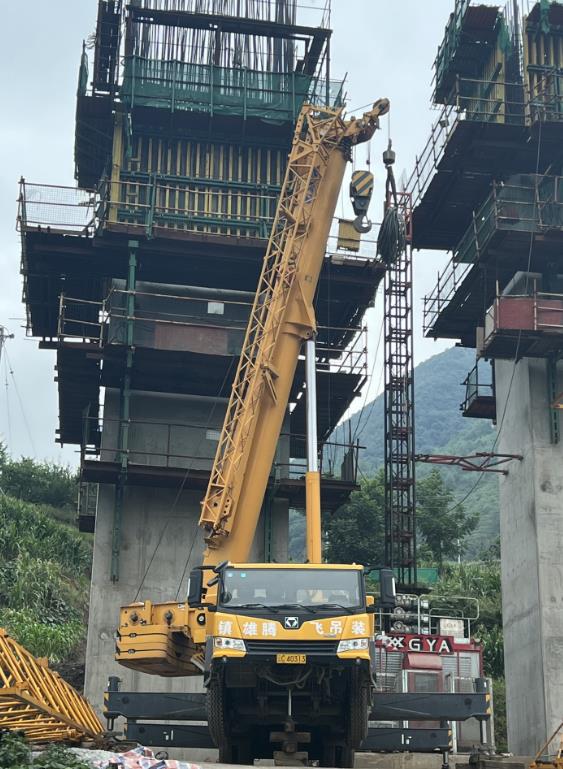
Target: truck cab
x=289, y=645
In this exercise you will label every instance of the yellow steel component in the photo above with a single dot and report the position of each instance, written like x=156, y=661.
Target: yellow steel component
x=116, y=162
x=338, y=628
x=166, y=638
x=36, y=700
x=313, y=518
x=281, y=318
x=541, y=761
x=348, y=236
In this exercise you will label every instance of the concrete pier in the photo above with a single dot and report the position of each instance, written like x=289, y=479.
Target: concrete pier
x=531, y=506
x=161, y=539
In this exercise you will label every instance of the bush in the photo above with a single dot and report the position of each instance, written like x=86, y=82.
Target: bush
x=44, y=568
x=38, y=482
x=26, y=529
x=499, y=704
x=15, y=754
x=57, y=642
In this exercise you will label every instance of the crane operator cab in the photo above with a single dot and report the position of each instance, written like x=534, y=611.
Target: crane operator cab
x=287, y=646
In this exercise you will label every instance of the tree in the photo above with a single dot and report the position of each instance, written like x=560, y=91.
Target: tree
x=442, y=524
x=480, y=581
x=355, y=532
x=39, y=482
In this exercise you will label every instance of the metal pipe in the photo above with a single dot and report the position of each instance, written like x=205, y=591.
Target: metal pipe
x=311, y=394
x=312, y=478
x=181, y=292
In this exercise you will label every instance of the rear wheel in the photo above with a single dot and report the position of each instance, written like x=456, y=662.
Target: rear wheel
x=345, y=756
x=328, y=755
x=242, y=751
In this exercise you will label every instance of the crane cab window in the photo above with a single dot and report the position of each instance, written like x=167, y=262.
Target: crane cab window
x=315, y=588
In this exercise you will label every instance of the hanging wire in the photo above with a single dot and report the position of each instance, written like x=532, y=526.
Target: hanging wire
x=20, y=401
x=517, y=351
x=358, y=430
x=8, y=418
x=183, y=483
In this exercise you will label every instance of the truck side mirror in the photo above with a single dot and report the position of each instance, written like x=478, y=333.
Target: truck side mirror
x=195, y=586
x=388, y=593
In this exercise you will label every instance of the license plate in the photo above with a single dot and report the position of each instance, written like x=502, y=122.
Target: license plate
x=291, y=659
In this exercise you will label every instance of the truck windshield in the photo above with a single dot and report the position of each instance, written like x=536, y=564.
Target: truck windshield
x=282, y=587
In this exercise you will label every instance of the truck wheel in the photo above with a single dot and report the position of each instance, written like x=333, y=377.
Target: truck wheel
x=328, y=755
x=243, y=753
x=358, y=711
x=345, y=757
x=217, y=718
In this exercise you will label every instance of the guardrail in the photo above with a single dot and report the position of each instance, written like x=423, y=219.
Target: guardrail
x=337, y=460
x=487, y=101
x=533, y=205
x=475, y=387
x=51, y=206
x=448, y=282
x=104, y=323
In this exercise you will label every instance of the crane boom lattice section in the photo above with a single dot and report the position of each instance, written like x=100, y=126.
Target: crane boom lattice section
x=36, y=701
x=318, y=133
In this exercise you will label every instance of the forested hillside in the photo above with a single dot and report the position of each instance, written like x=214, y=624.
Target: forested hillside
x=440, y=429
x=44, y=562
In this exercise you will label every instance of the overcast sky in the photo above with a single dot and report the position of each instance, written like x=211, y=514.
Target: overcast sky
x=387, y=48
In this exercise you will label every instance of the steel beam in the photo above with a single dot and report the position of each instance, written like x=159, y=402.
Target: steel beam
x=164, y=706
x=173, y=736
x=155, y=706
x=380, y=739
x=392, y=739
x=407, y=706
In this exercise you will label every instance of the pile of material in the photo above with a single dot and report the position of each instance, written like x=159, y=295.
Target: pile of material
x=37, y=702
x=138, y=758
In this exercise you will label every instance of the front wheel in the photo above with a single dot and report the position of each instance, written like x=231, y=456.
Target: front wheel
x=217, y=718
x=358, y=709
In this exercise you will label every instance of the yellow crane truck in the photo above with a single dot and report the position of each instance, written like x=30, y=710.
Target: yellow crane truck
x=286, y=650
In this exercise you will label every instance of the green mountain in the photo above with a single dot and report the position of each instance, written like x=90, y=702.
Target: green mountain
x=440, y=428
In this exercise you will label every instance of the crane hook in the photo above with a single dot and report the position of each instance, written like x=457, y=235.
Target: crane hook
x=361, y=188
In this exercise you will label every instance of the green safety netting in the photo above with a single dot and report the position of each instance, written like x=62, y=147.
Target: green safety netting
x=218, y=90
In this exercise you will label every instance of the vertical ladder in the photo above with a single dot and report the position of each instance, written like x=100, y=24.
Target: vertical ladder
x=400, y=502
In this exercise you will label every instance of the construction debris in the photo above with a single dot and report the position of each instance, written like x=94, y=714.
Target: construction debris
x=138, y=758
x=38, y=702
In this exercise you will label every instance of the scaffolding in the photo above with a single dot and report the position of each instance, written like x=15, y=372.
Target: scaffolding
x=486, y=102
x=400, y=505
x=525, y=205
x=470, y=36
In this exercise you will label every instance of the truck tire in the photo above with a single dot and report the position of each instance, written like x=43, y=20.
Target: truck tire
x=217, y=720
x=328, y=755
x=358, y=710
x=345, y=756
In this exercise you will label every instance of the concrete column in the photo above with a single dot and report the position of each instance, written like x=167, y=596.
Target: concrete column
x=157, y=537
x=531, y=510
x=160, y=529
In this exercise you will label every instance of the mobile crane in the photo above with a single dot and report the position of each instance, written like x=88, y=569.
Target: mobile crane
x=286, y=651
